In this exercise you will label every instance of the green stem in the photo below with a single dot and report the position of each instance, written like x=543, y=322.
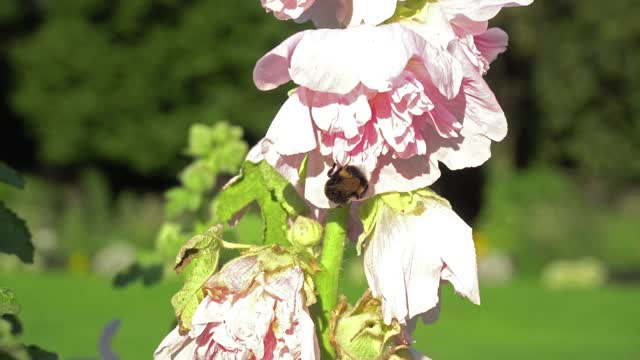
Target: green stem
x=328, y=280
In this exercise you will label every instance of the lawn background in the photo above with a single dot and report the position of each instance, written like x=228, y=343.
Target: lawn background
x=66, y=313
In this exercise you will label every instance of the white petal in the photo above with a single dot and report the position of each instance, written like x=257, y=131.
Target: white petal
x=479, y=10
x=407, y=256
x=452, y=239
x=291, y=131
x=372, y=12
x=317, y=170
x=337, y=61
x=176, y=347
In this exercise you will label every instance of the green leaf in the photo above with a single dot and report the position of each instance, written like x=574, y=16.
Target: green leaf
x=8, y=303
x=408, y=9
x=15, y=238
x=282, y=190
x=198, y=260
x=10, y=176
x=198, y=177
x=200, y=140
x=170, y=239
x=180, y=200
x=275, y=196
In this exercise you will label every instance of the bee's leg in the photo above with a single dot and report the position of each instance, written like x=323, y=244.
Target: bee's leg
x=332, y=170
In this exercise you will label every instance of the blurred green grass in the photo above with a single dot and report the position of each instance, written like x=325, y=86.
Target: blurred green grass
x=66, y=313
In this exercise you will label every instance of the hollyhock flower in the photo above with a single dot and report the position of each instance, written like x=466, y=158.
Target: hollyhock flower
x=411, y=247
x=332, y=13
x=465, y=21
x=379, y=98
x=286, y=9
x=248, y=313
x=478, y=10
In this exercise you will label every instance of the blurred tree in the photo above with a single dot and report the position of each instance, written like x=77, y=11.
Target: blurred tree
x=577, y=100
x=121, y=81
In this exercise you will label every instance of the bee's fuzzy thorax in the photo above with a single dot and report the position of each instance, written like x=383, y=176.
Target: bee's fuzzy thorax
x=345, y=183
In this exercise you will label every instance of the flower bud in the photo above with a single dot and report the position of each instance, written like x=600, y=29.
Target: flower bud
x=305, y=232
x=359, y=332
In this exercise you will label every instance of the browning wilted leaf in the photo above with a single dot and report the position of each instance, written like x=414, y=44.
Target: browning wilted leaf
x=197, y=244
x=198, y=260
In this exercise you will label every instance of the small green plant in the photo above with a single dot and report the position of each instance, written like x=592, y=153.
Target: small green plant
x=215, y=150
x=15, y=240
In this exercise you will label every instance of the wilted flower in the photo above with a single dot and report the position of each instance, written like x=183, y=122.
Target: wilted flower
x=380, y=98
x=249, y=312
x=415, y=241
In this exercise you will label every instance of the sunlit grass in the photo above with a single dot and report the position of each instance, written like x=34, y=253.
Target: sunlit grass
x=66, y=313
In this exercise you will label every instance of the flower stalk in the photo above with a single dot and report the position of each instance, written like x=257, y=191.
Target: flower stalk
x=328, y=280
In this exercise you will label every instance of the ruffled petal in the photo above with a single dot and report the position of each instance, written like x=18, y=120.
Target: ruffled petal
x=336, y=61
x=492, y=43
x=482, y=118
x=176, y=347
x=482, y=112
x=235, y=276
x=463, y=25
x=247, y=313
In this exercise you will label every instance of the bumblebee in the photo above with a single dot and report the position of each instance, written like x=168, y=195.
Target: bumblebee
x=345, y=183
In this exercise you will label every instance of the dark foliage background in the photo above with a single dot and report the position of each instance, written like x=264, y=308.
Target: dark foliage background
x=97, y=96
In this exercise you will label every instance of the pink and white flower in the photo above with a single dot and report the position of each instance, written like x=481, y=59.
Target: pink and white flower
x=247, y=314
x=332, y=13
x=286, y=9
x=466, y=21
x=408, y=254
x=381, y=98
